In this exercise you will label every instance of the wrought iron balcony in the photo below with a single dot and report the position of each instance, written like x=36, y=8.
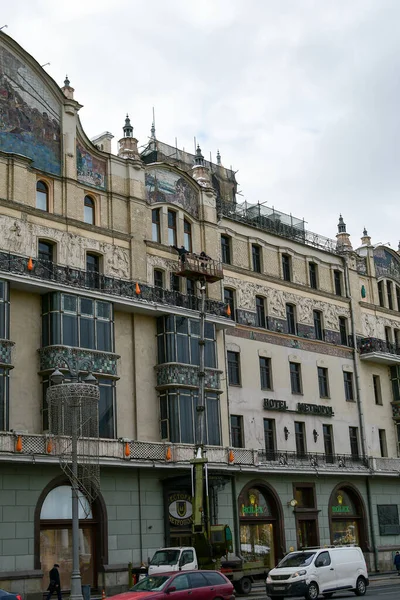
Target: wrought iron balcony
x=320, y=462
x=83, y=281
x=379, y=351
x=5, y=352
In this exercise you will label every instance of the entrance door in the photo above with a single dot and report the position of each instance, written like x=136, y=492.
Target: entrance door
x=307, y=534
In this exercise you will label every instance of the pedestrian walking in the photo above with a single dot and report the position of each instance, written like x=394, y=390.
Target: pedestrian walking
x=55, y=584
x=397, y=562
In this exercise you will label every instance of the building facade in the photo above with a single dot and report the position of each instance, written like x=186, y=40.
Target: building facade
x=302, y=376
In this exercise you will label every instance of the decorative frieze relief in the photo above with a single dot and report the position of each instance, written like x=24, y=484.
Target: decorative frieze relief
x=21, y=237
x=374, y=326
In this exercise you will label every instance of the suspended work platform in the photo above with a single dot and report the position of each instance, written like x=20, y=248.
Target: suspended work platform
x=199, y=268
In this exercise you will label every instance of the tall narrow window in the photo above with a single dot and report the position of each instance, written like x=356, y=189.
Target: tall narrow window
x=348, y=386
x=395, y=379
x=226, y=249
x=88, y=214
x=156, y=225
x=382, y=442
x=328, y=442
x=381, y=294
x=286, y=267
x=300, y=435
x=265, y=373
x=237, y=431
x=344, y=340
x=42, y=196
x=269, y=437
x=337, y=277
x=175, y=283
x=229, y=299
x=187, y=235
x=388, y=337
x=4, y=310
x=295, y=378
x=291, y=319
x=398, y=297
x=376, y=381
x=396, y=335
x=260, y=311
x=323, y=383
x=158, y=278
x=256, y=256
x=45, y=252
x=92, y=270
x=4, y=400
x=233, y=367
x=318, y=330
x=389, y=289
x=313, y=274
x=354, y=448
x=172, y=228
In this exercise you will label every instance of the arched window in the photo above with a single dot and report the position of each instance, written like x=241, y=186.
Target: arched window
x=89, y=210
x=347, y=516
x=53, y=525
x=42, y=196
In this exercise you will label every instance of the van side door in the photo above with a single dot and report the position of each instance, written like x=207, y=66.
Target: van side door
x=325, y=571
x=188, y=560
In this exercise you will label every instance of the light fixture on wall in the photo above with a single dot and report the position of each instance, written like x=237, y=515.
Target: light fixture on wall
x=293, y=503
x=315, y=434
x=286, y=432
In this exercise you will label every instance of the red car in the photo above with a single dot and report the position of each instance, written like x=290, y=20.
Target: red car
x=182, y=585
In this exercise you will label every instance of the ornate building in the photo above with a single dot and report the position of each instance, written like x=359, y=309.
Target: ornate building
x=302, y=380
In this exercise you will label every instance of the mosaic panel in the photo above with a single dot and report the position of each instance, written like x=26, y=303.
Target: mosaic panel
x=246, y=317
x=163, y=185
x=29, y=114
x=53, y=356
x=90, y=169
x=386, y=264
x=5, y=352
x=186, y=375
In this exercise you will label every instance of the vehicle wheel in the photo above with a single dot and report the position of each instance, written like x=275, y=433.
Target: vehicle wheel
x=328, y=595
x=312, y=591
x=244, y=586
x=361, y=588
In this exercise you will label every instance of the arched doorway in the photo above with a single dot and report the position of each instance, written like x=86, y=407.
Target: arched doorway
x=347, y=516
x=261, y=524
x=53, y=534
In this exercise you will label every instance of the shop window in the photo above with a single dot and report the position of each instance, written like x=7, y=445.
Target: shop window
x=89, y=210
x=237, y=431
x=178, y=416
x=42, y=196
x=347, y=517
x=226, y=249
x=178, y=341
x=305, y=496
x=233, y=368
x=156, y=225
x=76, y=321
x=260, y=312
x=265, y=373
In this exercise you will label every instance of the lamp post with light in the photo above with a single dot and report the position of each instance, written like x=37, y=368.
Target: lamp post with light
x=73, y=414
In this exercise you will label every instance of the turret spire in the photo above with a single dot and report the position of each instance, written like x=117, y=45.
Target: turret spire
x=199, y=159
x=128, y=129
x=218, y=158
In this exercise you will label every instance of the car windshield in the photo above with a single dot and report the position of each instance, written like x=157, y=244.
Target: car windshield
x=298, y=559
x=151, y=584
x=165, y=557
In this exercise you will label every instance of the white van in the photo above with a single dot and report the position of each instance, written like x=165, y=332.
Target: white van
x=315, y=571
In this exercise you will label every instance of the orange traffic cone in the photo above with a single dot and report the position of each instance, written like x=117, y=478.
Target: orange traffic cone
x=18, y=445
x=231, y=457
x=103, y=594
x=228, y=311
x=137, y=289
x=30, y=264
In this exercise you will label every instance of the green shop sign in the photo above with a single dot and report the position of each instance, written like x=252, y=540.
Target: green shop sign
x=252, y=510
x=341, y=509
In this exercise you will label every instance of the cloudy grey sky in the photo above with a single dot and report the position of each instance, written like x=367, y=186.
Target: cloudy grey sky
x=302, y=97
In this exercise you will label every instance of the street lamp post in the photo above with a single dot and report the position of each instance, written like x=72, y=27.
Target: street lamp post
x=70, y=413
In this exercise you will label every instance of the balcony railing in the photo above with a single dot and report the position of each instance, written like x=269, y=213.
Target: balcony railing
x=305, y=460
x=376, y=350
x=86, y=280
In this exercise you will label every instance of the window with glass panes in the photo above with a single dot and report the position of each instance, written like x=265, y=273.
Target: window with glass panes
x=158, y=278
x=45, y=251
x=265, y=373
x=323, y=382
x=237, y=431
x=318, y=330
x=226, y=249
x=172, y=228
x=178, y=416
x=398, y=297
x=328, y=441
x=187, y=235
x=382, y=442
x=260, y=311
x=389, y=290
x=76, y=321
x=286, y=267
x=89, y=207
x=229, y=299
x=381, y=294
x=295, y=377
x=175, y=283
x=92, y=270
x=354, y=447
x=256, y=257
x=269, y=438
x=4, y=310
x=337, y=278
x=376, y=382
x=348, y=386
x=343, y=331
x=395, y=379
x=300, y=437
x=4, y=400
x=42, y=196
x=291, y=319
x=178, y=341
x=156, y=225
x=313, y=274
x=233, y=367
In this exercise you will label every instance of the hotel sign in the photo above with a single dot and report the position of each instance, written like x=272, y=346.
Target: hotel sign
x=302, y=407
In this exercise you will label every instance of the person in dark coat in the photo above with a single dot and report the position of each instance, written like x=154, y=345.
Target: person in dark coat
x=55, y=584
x=397, y=562
x=182, y=254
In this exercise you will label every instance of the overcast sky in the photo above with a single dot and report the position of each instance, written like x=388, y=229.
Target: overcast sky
x=302, y=97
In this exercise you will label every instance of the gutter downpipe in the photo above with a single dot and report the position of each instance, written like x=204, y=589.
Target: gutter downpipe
x=361, y=412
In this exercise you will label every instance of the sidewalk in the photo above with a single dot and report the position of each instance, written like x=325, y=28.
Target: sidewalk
x=383, y=576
